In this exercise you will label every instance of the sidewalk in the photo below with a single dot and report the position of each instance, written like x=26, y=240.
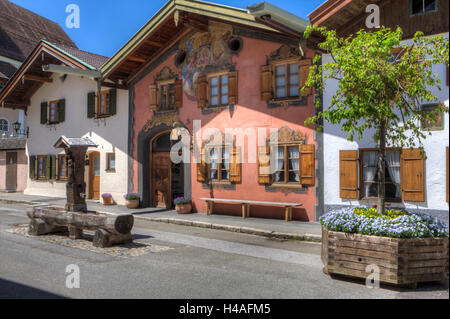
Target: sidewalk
x=272, y=228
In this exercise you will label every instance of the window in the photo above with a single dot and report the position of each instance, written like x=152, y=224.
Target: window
x=53, y=112
x=286, y=80
x=287, y=164
x=103, y=104
x=4, y=125
x=423, y=6
x=111, y=162
x=218, y=90
x=62, y=167
x=41, y=166
x=370, y=174
x=219, y=167
x=437, y=122
x=166, y=98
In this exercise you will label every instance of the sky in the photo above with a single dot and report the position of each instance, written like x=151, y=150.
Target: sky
x=106, y=25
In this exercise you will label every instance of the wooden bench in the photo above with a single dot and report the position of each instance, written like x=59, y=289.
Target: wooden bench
x=246, y=206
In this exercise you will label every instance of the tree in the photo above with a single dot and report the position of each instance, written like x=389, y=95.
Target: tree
x=382, y=87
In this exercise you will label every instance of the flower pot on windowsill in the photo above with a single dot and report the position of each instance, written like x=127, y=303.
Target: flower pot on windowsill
x=132, y=204
x=107, y=200
x=183, y=208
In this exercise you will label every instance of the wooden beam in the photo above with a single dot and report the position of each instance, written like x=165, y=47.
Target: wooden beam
x=136, y=59
x=114, y=85
x=36, y=78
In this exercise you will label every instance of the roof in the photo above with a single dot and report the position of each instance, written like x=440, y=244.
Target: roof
x=91, y=60
x=30, y=76
x=21, y=30
x=9, y=144
x=174, y=20
x=74, y=142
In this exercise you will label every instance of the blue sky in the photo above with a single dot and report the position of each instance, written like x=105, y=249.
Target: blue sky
x=106, y=25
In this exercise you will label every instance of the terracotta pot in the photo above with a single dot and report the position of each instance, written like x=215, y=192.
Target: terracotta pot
x=132, y=204
x=183, y=209
x=107, y=201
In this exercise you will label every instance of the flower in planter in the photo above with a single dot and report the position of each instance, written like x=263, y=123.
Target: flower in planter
x=395, y=223
x=106, y=195
x=182, y=201
x=132, y=196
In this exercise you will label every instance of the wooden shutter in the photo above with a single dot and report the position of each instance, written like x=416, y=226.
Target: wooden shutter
x=236, y=165
x=447, y=167
x=264, y=175
x=307, y=165
x=32, y=167
x=348, y=172
x=266, y=83
x=44, y=107
x=61, y=111
x=153, y=89
x=91, y=105
x=112, y=102
x=413, y=175
x=202, y=92
x=48, y=167
x=303, y=74
x=53, y=167
x=202, y=170
x=178, y=93
x=233, y=88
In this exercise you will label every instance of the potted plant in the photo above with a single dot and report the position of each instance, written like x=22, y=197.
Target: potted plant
x=132, y=200
x=107, y=199
x=183, y=205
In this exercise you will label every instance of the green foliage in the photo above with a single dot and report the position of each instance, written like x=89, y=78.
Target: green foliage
x=377, y=85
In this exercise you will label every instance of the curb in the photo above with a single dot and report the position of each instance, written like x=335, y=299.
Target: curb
x=229, y=228
x=236, y=229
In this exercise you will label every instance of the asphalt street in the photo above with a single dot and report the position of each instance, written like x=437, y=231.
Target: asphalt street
x=193, y=263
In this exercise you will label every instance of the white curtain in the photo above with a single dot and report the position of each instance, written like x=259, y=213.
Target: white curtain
x=280, y=165
x=393, y=162
x=294, y=155
x=370, y=159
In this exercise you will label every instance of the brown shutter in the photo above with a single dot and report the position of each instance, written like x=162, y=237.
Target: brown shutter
x=202, y=91
x=179, y=93
x=202, y=168
x=264, y=175
x=304, y=66
x=307, y=165
x=447, y=174
x=233, y=88
x=153, y=97
x=266, y=83
x=348, y=171
x=413, y=175
x=235, y=165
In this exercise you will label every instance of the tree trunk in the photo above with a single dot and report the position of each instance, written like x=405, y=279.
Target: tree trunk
x=382, y=169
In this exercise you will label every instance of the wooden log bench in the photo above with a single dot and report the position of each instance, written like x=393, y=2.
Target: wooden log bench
x=246, y=206
x=109, y=229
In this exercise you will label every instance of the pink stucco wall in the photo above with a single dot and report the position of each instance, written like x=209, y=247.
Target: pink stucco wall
x=251, y=112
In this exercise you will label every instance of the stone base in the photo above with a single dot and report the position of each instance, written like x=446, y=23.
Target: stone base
x=75, y=233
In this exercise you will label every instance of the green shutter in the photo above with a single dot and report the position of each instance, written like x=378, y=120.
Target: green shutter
x=112, y=102
x=91, y=105
x=48, y=167
x=53, y=165
x=44, y=106
x=32, y=166
x=62, y=111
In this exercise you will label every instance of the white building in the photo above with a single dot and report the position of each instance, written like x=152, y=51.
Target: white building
x=65, y=100
x=418, y=184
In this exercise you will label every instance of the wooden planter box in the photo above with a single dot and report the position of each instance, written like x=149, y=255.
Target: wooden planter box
x=404, y=262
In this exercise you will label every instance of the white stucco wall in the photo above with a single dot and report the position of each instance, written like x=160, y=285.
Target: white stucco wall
x=111, y=134
x=435, y=148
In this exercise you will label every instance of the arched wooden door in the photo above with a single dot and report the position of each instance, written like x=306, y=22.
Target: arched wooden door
x=94, y=175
